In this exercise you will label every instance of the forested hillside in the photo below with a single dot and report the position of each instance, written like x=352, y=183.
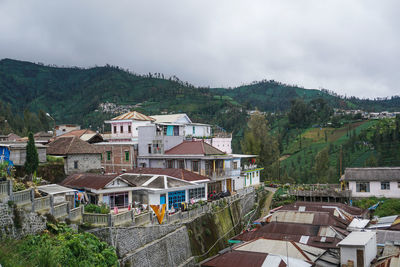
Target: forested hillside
x=303, y=133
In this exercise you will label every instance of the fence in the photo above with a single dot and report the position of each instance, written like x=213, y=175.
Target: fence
x=22, y=197
x=61, y=210
x=143, y=218
x=122, y=218
x=4, y=188
x=76, y=214
x=97, y=219
x=43, y=203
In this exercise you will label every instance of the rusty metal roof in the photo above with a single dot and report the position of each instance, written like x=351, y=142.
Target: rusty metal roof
x=323, y=206
x=133, y=115
x=237, y=259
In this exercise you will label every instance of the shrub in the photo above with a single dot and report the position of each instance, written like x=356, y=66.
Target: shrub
x=92, y=208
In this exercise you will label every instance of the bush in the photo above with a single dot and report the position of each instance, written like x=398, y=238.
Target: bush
x=92, y=208
x=64, y=249
x=56, y=160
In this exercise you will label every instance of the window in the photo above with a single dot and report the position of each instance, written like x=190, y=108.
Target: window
x=181, y=164
x=194, y=130
x=115, y=129
x=385, y=185
x=126, y=155
x=197, y=193
x=75, y=164
x=122, y=129
x=170, y=163
x=176, y=198
x=398, y=184
x=101, y=156
x=176, y=130
x=149, y=148
x=362, y=187
x=129, y=129
x=235, y=165
x=108, y=155
x=195, y=166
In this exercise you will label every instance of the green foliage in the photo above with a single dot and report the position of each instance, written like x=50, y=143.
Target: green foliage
x=18, y=186
x=258, y=141
x=387, y=206
x=32, y=157
x=92, y=208
x=55, y=160
x=66, y=248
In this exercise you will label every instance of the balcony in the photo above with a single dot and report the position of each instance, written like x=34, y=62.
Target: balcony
x=221, y=173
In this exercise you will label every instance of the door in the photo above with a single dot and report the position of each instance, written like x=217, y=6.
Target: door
x=162, y=199
x=360, y=258
x=229, y=185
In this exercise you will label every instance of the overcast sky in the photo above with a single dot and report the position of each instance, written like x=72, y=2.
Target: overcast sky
x=350, y=47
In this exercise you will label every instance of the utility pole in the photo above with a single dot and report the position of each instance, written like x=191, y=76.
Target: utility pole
x=340, y=161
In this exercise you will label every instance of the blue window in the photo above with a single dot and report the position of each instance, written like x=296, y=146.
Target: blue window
x=162, y=199
x=176, y=198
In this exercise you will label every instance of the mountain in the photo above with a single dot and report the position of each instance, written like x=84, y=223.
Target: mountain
x=74, y=95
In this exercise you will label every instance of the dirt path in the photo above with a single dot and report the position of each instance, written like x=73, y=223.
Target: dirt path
x=268, y=200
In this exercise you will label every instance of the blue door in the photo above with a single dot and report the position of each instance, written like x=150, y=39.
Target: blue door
x=162, y=199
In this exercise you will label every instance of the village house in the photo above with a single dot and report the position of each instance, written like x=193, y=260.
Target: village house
x=359, y=248
x=141, y=186
x=86, y=135
x=79, y=156
x=9, y=137
x=368, y=182
x=65, y=128
x=15, y=153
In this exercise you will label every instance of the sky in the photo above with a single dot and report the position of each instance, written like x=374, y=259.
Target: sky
x=350, y=47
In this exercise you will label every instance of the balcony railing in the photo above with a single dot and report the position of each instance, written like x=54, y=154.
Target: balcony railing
x=220, y=172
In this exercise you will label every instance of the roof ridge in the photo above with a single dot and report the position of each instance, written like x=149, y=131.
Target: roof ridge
x=70, y=144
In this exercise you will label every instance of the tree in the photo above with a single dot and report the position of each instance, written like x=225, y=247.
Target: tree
x=321, y=166
x=257, y=140
x=32, y=158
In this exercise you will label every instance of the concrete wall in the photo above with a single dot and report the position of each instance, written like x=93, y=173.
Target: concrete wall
x=18, y=156
x=125, y=133
x=350, y=253
x=86, y=162
x=375, y=190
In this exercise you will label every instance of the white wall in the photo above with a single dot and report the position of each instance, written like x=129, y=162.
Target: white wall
x=375, y=190
x=199, y=130
x=350, y=253
x=370, y=250
x=239, y=182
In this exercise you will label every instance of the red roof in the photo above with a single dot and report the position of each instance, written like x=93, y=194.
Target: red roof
x=77, y=133
x=88, y=180
x=176, y=173
x=238, y=258
x=194, y=147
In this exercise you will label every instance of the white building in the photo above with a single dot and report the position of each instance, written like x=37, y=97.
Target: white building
x=359, y=248
x=368, y=182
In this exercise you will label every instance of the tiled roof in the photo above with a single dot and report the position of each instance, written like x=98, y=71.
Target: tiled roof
x=133, y=115
x=88, y=180
x=71, y=145
x=78, y=133
x=194, y=148
x=177, y=173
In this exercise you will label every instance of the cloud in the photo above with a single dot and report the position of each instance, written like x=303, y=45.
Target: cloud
x=350, y=47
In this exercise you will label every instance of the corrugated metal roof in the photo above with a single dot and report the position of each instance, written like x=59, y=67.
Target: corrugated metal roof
x=133, y=115
x=357, y=239
x=177, y=173
x=52, y=189
x=276, y=247
x=236, y=259
x=171, y=118
x=358, y=223
x=372, y=174
x=383, y=236
x=323, y=206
